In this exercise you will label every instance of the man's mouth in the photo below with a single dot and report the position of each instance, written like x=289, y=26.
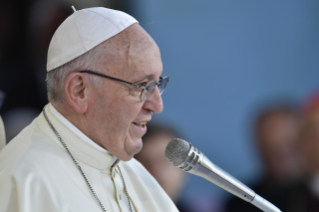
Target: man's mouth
x=142, y=124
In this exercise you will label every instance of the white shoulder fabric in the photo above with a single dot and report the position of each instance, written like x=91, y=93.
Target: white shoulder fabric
x=2, y=135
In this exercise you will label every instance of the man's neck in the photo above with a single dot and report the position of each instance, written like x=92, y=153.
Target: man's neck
x=71, y=116
x=70, y=119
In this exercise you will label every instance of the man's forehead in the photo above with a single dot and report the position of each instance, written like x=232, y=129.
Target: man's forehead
x=150, y=69
x=133, y=55
x=134, y=40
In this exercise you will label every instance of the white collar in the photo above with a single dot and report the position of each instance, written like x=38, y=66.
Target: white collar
x=76, y=131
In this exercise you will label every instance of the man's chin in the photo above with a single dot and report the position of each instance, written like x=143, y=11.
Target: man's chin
x=131, y=149
x=138, y=145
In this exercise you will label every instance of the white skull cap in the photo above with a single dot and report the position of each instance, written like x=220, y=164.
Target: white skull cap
x=82, y=31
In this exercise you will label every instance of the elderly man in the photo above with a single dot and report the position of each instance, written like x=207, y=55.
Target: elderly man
x=103, y=85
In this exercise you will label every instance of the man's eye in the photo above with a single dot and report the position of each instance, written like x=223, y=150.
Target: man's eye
x=142, y=84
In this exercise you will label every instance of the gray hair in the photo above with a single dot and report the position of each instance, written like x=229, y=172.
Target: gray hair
x=55, y=79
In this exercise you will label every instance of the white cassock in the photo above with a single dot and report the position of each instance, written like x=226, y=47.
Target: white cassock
x=38, y=175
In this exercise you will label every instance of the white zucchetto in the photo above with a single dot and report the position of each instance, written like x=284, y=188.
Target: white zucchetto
x=82, y=31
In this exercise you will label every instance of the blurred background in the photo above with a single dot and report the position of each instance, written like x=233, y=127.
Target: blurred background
x=243, y=78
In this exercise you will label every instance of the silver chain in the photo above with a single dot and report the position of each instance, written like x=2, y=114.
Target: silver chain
x=80, y=168
x=125, y=189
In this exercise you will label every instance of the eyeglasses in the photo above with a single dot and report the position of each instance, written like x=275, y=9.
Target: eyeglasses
x=147, y=89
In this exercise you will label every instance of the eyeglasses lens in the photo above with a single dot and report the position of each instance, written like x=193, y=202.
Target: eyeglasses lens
x=162, y=85
x=150, y=87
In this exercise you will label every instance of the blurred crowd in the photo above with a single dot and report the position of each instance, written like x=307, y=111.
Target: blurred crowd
x=287, y=135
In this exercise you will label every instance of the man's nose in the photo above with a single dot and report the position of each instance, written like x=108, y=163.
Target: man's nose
x=154, y=102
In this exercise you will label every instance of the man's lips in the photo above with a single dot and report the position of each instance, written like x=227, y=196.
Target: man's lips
x=142, y=122
x=141, y=126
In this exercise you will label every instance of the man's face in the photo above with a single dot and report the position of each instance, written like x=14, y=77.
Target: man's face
x=117, y=117
x=279, y=136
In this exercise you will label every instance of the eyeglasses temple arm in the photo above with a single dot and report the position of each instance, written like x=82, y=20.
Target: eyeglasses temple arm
x=102, y=75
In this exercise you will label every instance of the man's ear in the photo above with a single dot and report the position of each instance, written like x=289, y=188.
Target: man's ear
x=76, y=92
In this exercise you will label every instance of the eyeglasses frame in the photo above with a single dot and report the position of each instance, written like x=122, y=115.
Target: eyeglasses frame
x=130, y=83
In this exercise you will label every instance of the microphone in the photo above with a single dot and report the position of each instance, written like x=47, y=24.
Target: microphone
x=188, y=158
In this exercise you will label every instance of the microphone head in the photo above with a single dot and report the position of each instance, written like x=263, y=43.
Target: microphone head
x=177, y=151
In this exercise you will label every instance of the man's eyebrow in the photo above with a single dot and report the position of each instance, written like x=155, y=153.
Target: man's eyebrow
x=150, y=76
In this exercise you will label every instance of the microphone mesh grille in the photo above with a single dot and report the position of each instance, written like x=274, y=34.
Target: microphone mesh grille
x=177, y=150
